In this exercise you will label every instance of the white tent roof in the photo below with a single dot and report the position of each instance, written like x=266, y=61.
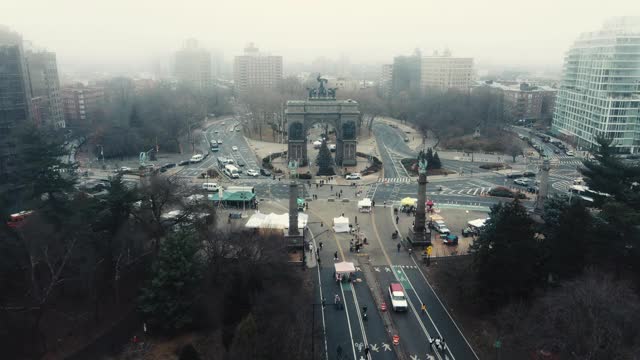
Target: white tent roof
x=345, y=267
x=275, y=221
x=364, y=202
x=477, y=222
x=341, y=224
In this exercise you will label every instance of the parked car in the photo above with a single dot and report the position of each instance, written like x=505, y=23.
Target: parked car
x=523, y=182
x=234, y=148
x=514, y=175
x=468, y=231
x=398, y=298
x=219, y=141
x=440, y=227
x=252, y=172
x=265, y=172
x=353, y=176
x=533, y=189
x=449, y=239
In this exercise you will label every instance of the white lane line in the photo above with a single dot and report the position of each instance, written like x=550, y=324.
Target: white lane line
x=460, y=192
x=346, y=311
x=324, y=324
x=475, y=192
x=429, y=316
x=445, y=308
x=364, y=334
x=470, y=190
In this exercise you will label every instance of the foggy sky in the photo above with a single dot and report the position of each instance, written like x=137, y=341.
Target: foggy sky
x=535, y=32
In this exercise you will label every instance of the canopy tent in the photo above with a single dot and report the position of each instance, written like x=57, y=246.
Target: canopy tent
x=435, y=217
x=345, y=267
x=409, y=201
x=247, y=196
x=341, y=224
x=364, y=205
x=275, y=221
x=478, y=223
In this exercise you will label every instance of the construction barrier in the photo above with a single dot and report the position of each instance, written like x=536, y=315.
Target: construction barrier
x=383, y=306
x=396, y=339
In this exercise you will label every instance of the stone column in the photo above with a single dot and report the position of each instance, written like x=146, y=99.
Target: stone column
x=293, y=209
x=543, y=190
x=421, y=209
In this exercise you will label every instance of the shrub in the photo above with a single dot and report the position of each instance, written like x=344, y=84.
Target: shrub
x=501, y=191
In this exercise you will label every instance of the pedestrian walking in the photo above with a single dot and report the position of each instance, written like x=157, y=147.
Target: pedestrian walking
x=339, y=195
x=356, y=219
x=373, y=203
x=335, y=256
x=366, y=351
x=311, y=248
x=318, y=252
x=423, y=308
x=397, y=219
x=339, y=352
x=398, y=247
x=320, y=245
x=331, y=187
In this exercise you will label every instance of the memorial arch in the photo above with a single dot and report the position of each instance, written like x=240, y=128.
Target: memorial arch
x=322, y=107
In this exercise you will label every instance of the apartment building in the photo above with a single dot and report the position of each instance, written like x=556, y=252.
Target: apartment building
x=386, y=79
x=445, y=72
x=254, y=70
x=193, y=66
x=82, y=103
x=599, y=93
x=45, y=88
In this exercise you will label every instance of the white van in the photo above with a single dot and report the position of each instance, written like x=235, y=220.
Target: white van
x=196, y=158
x=210, y=187
x=231, y=171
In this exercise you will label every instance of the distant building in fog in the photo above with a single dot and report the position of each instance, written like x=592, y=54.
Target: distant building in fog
x=521, y=101
x=82, y=103
x=386, y=78
x=15, y=96
x=445, y=72
x=256, y=70
x=193, y=66
x=45, y=87
x=405, y=74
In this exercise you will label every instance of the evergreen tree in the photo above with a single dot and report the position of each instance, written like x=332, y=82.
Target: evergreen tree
x=43, y=165
x=436, y=162
x=569, y=242
x=506, y=255
x=324, y=160
x=429, y=158
x=621, y=208
x=167, y=302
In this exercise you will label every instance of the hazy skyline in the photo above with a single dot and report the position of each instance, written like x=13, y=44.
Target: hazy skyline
x=140, y=32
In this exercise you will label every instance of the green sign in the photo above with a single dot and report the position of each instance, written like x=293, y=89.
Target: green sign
x=497, y=344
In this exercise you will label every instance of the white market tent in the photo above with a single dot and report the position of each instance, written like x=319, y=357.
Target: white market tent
x=345, y=267
x=341, y=224
x=275, y=221
x=478, y=223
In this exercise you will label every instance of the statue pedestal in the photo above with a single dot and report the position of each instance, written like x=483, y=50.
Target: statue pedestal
x=294, y=241
x=422, y=238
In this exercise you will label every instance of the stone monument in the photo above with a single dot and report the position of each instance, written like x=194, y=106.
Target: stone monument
x=543, y=191
x=419, y=234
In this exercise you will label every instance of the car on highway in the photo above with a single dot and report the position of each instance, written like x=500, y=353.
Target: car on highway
x=184, y=162
x=529, y=174
x=514, y=175
x=353, y=176
x=523, y=182
x=124, y=170
x=234, y=148
x=397, y=296
x=196, y=158
x=556, y=151
x=570, y=153
x=265, y=172
x=253, y=172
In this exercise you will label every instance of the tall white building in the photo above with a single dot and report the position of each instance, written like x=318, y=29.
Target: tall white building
x=445, y=72
x=386, y=79
x=600, y=89
x=256, y=70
